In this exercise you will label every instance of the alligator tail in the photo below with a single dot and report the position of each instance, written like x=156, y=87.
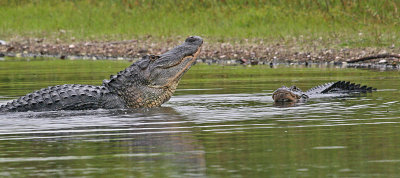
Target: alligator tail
x=347, y=87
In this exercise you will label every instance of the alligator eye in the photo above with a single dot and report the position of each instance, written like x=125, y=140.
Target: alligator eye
x=154, y=57
x=304, y=96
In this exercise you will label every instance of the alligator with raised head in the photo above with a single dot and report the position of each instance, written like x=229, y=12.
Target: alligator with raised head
x=148, y=82
x=333, y=89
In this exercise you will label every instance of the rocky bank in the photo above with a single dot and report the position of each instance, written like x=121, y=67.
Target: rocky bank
x=247, y=51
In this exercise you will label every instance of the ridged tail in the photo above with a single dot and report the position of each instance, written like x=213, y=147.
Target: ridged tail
x=347, y=87
x=60, y=97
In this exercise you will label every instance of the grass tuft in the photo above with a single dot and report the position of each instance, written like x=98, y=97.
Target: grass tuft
x=358, y=23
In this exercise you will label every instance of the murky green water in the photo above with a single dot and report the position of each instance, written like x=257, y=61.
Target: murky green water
x=220, y=123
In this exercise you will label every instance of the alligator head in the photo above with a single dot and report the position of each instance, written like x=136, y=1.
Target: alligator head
x=288, y=94
x=152, y=80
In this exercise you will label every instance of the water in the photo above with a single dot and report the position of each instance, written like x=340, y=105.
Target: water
x=220, y=123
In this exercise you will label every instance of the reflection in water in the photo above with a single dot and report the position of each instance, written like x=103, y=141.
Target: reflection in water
x=129, y=139
x=221, y=121
x=285, y=104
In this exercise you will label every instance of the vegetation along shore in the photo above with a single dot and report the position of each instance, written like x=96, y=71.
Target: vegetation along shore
x=258, y=30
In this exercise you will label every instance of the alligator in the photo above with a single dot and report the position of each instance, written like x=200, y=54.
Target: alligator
x=147, y=83
x=294, y=94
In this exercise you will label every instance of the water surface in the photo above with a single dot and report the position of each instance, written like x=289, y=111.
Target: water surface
x=221, y=122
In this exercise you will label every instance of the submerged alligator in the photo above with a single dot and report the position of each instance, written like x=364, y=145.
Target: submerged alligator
x=148, y=82
x=339, y=88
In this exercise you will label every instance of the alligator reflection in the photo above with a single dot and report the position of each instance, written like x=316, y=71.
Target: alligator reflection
x=155, y=141
x=285, y=104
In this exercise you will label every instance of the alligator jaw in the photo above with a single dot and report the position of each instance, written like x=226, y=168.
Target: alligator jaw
x=191, y=59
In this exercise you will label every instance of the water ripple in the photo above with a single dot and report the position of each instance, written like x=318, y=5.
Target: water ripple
x=209, y=112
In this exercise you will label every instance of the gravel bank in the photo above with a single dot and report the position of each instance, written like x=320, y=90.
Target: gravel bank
x=243, y=51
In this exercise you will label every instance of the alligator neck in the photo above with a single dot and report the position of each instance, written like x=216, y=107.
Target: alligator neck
x=131, y=86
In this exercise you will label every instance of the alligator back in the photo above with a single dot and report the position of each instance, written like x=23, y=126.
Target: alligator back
x=339, y=87
x=60, y=97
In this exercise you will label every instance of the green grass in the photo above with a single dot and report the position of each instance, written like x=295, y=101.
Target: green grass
x=354, y=22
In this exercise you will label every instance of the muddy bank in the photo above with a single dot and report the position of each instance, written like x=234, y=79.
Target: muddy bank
x=245, y=51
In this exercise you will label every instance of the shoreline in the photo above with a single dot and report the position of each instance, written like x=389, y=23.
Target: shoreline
x=251, y=52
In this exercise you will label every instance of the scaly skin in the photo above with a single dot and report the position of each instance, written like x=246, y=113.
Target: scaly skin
x=294, y=94
x=148, y=82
